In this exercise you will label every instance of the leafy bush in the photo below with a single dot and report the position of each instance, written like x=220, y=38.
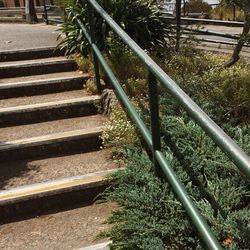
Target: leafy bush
x=152, y=218
x=119, y=131
x=190, y=61
x=223, y=12
x=85, y=64
x=197, y=6
x=140, y=19
x=90, y=86
x=129, y=65
x=203, y=77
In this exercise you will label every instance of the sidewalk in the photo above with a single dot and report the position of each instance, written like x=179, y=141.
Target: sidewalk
x=224, y=29
x=24, y=36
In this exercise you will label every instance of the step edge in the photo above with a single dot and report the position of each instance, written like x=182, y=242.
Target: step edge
x=100, y=246
x=27, y=50
x=37, y=64
x=47, y=105
x=41, y=82
x=44, y=189
x=50, y=138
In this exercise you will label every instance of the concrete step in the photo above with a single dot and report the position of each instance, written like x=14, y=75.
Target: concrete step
x=45, y=111
x=50, y=127
x=100, y=246
x=29, y=199
x=36, y=67
x=84, y=140
x=29, y=54
x=16, y=19
x=11, y=12
x=52, y=167
x=29, y=100
x=43, y=86
x=70, y=229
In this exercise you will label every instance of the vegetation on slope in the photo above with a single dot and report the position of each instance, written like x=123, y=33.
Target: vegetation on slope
x=150, y=216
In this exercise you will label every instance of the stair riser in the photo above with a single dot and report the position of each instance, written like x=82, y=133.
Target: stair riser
x=53, y=87
x=47, y=114
x=29, y=54
x=67, y=147
x=37, y=69
x=50, y=204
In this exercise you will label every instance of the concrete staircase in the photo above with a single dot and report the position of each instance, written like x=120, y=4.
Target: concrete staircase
x=52, y=167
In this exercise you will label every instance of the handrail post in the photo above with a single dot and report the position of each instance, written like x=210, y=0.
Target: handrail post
x=93, y=40
x=45, y=12
x=184, y=8
x=155, y=119
x=178, y=23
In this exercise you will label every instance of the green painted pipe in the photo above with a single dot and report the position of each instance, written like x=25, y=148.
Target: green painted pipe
x=194, y=214
x=201, y=225
x=221, y=139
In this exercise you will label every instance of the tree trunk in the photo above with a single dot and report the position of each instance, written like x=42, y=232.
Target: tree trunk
x=30, y=12
x=236, y=54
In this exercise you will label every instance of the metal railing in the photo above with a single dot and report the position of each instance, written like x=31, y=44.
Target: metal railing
x=153, y=138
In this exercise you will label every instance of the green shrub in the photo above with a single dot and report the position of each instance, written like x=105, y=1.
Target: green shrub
x=90, y=86
x=203, y=77
x=197, y=6
x=120, y=130
x=150, y=215
x=123, y=61
x=190, y=62
x=141, y=20
x=152, y=218
x=85, y=64
x=223, y=12
x=137, y=87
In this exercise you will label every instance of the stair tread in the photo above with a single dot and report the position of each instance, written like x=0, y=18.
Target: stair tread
x=49, y=138
x=32, y=100
x=46, y=105
x=32, y=171
x=70, y=229
x=41, y=78
x=50, y=127
x=32, y=62
x=56, y=185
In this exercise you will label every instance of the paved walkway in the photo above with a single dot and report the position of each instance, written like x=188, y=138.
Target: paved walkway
x=225, y=29
x=23, y=36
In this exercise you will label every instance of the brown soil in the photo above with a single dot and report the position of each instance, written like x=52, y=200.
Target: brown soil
x=14, y=174
x=45, y=128
x=65, y=230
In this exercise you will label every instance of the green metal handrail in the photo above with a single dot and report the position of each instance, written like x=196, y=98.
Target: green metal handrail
x=153, y=140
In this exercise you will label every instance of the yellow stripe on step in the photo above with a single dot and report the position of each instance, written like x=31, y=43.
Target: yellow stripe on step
x=67, y=184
